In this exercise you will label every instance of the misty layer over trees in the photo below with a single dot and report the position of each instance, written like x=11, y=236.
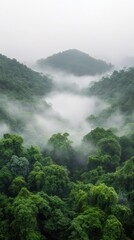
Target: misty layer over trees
x=66, y=154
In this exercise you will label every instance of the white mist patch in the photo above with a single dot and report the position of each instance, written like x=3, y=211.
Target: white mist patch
x=73, y=107
x=68, y=113
x=72, y=111
x=78, y=81
x=4, y=129
x=69, y=81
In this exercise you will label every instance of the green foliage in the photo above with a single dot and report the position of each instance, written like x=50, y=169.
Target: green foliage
x=10, y=145
x=102, y=196
x=53, y=207
x=75, y=62
x=19, y=166
x=17, y=184
x=92, y=176
x=123, y=214
x=97, y=134
x=36, y=179
x=41, y=193
x=33, y=154
x=20, y=82
x=125, y=176
x=78, y=197
x=108, y=179
x=56, y=180
x=110, y=146
x=117, y=89
x=5, y=179
x=87, y=225
x=112, y=229
x=47, y=161
x=52, y=179
x=127, y=147
x=61, y=151
x=24, y=212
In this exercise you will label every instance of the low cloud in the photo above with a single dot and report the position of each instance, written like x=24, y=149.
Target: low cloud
x=61, y=111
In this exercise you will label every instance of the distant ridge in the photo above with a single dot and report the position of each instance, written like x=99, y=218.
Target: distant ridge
x=74, y=62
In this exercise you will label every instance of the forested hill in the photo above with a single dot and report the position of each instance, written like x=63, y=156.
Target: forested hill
x=75, y=62
x=20, y=82
x=118, y=90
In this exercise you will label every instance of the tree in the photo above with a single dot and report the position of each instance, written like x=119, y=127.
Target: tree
x=127, y=148
x=110, y=146
x=19, y=166
x=97, y=134
x=61, y=151
x=36, y=177
x=87, y=225
x=10, y=145
x=124, y=176
x=4, y=222
x=56, y=180
x=93, y=176
x=33, y=154
x=102, y=196
x=17, y=184
x=124, y=215
x=113, y=229
x=25, y=211
x=5, y=179
x=108, y=155
x=53, y=215
x=78, y=196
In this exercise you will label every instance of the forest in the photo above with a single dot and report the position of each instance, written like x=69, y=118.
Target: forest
x=59, y=190
x=75, y=62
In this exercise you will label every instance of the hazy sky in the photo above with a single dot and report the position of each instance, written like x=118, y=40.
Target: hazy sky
x=33, y=29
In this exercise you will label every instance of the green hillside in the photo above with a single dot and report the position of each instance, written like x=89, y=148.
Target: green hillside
x=20, y=82
x=20, y=90
x=118, y=89
x=75, y=62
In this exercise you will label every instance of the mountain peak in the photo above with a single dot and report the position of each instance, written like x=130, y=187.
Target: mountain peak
x=74, y=62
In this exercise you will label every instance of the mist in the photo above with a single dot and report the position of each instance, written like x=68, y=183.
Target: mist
x=65, y=109
x=31, y=30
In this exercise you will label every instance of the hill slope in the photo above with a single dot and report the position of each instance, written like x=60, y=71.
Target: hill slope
x=20, y=90
x=20, y=82
x=117, y=89
x=75, y=62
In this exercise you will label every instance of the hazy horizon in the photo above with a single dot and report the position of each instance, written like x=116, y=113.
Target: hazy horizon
x=31, y=30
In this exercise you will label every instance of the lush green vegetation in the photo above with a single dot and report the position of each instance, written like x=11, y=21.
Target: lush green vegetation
x=118, y=91
x=75, y=62
x=20, y=86
x=61, y=192
x=20, y=82
x=52, y=195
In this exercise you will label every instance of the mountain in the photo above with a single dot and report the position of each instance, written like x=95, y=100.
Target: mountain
x=20, y=90
x=74, y=62
x=20, y=82
x=118, y=90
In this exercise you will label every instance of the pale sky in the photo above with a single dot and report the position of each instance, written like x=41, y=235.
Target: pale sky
x=33, y=29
